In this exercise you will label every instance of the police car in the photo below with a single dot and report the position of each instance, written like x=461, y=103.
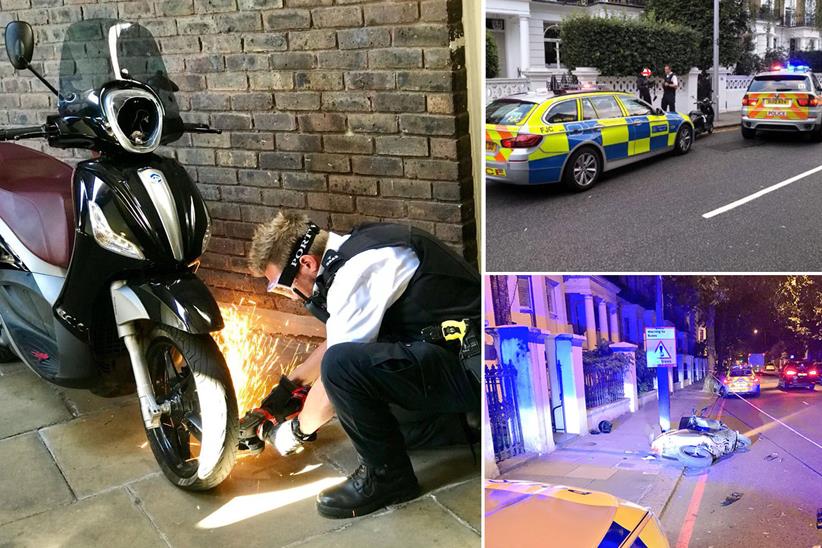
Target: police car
x=529, y=514
x=785, y=99
x=574, y=136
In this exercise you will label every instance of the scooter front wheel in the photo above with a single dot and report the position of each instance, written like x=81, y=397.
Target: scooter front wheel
x=695, y=456
x=196, y=442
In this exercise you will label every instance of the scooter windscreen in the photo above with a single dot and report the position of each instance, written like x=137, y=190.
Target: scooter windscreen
x=114, y=86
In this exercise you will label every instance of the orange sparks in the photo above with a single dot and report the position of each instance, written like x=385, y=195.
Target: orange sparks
x=256, y=359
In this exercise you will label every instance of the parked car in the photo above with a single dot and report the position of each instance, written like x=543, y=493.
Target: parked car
x=739, y=380
x=787, y=99
x=531, y=514
x=574, y=136
x=798, y=375
x=770, y=369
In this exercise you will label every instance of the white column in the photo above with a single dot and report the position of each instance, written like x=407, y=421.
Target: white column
x=603, y=321
x=612, y=309
x=590, y=323
x=629, y=377
x=524, y=46
x=680, y=364
x=569, y=355
x=542, y=439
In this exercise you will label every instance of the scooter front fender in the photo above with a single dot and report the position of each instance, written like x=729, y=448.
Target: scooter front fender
x=181, y=301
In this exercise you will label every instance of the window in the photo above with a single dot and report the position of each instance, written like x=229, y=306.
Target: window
x=780, y=82
x=507, y=112
x=526, y=303
x=606, y=106
x=549, y=296
x=588, y=110
x=635, y=107
x=793, y=44
x=560, y=113
x=552, y=42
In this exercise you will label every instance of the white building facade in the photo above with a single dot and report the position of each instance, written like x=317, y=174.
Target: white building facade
x=527, y=31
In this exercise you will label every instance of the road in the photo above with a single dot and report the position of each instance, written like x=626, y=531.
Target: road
x=648, y=217
x=780, y=497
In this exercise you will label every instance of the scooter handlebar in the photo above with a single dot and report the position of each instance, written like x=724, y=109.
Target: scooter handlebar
x=17, y=133
x=200, y=128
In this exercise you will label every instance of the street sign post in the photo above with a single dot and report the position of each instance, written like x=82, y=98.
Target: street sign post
x=660, y=346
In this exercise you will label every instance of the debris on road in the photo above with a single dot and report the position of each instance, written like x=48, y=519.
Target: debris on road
x=773, y=457
x=819, y=518
x=649, y=457
x=732, y=498
x=605, y=427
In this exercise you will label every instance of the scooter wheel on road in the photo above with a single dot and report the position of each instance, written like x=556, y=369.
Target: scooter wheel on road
x=743, y=442
x=695, y=456
x=196, y=443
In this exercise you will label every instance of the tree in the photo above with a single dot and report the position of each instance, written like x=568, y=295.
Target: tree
x=734, y=25
x=491, y=57
x=799, y=305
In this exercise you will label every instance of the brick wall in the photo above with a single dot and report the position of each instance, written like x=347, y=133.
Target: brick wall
x=352, y=110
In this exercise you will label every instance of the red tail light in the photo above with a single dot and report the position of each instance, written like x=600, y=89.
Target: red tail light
x=812, y=372
x=748, y=101
x=809, y=101
x=790, y=372
x=522, y=141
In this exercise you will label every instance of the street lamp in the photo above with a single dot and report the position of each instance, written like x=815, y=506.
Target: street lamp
x=756, y=331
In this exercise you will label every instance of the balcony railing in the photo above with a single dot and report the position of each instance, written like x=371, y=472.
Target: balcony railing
x=603, y=387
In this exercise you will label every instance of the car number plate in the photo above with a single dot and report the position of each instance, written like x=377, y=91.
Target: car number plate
x=803, y=374
x=495, y=171
x=777, y=103
x=490, y=146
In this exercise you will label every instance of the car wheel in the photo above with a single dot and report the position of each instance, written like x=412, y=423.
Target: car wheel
x=816, y=136
x=583, y=169
x=684, y=139
x=748, y=133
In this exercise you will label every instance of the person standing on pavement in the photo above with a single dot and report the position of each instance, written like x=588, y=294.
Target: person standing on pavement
x=669, y=87
x=643, y=85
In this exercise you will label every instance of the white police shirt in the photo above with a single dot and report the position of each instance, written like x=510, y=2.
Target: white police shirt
x=364, y=288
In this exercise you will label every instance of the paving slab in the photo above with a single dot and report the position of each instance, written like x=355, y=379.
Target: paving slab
x=419, y=523
x=28, y=403
x=83, y=402
x=587, y=471
x=10, y=368
x=248, y=509
x=464, y=501
x=102, y=450
x=111, y=520
x=30, y=482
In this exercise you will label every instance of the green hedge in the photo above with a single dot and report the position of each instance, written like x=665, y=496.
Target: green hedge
x=622, y=47
x=491, y=57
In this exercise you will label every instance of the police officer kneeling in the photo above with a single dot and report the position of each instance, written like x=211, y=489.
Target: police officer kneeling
x=391, y=297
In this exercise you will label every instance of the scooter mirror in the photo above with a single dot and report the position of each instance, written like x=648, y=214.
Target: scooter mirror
x=19, y=43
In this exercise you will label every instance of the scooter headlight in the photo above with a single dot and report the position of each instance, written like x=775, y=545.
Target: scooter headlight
x=107, y=238
x=135, y=117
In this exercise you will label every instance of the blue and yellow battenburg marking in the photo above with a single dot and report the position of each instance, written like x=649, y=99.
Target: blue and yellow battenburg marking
x=620, y=138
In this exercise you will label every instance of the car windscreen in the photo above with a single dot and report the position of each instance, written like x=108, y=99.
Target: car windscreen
x=780, y=82
x=507, y=112
x=741, y=373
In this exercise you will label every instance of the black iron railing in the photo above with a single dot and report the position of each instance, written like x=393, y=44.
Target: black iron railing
x=503, y=411
x=603, y=387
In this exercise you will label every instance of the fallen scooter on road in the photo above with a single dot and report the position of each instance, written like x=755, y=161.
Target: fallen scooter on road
x=699, y=441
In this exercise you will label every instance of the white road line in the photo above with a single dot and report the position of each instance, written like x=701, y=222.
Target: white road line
x=761, y=193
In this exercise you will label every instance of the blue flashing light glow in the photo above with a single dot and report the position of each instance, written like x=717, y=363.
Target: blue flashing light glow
x=798, y=68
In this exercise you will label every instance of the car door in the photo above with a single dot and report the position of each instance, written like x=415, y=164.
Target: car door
x=648, y=130
x=560, y=127
x=611, y=124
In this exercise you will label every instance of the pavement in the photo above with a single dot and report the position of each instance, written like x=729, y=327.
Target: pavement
x=779, y=479
x=614, y=462
x=77, y=471
x=648, y=216
x=728, y=119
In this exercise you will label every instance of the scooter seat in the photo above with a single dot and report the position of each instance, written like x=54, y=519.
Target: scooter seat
x=36, y=202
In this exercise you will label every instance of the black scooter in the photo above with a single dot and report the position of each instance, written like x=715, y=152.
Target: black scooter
x=97, y=264
x=703, y=117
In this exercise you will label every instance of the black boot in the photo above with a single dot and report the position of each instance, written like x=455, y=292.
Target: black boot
x=367, y=490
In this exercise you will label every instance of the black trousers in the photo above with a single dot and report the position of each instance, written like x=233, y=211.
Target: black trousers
x=668, y=102
x=363, y=379
x=645, y=95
